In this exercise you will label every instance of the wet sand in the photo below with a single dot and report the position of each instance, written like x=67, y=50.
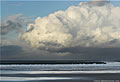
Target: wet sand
x=69, y=77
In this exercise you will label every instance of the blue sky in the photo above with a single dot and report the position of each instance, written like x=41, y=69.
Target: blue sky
x=36, y=8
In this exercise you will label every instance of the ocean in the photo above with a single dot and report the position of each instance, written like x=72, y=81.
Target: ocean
x=109, y=72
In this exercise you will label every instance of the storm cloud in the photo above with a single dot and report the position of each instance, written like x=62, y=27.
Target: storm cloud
x=87, y=31
x=84, y=25
x=16, y=52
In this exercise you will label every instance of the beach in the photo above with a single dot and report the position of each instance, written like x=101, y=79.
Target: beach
x=109, y=72
x=72, y=77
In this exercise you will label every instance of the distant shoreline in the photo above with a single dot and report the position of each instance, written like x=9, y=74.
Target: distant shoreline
x=50, y=62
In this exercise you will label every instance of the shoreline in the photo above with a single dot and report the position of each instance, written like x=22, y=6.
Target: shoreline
x=63, y=72
x=50, y=62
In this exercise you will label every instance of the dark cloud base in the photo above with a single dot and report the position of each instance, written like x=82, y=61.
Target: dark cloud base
x=75, y=53
x=10, y=51
x=91, y=53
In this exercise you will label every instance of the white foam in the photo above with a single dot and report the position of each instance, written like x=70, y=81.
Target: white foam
x=36, y=78
x=59, y=72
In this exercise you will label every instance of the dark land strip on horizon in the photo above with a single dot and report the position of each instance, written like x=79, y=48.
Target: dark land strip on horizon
x=50, y=62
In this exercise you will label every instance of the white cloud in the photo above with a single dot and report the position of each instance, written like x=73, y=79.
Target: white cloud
x=83, y=25
x=4, y=42
x=16, y=22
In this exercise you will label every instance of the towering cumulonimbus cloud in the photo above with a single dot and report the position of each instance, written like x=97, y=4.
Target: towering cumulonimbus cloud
x=84, y=25
x=99, y=2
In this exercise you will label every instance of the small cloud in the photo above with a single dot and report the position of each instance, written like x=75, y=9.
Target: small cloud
x=5, y=42
x=17, y=4
x=16, y=22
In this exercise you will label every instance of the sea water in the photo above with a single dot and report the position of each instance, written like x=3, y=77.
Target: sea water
x=58, y=72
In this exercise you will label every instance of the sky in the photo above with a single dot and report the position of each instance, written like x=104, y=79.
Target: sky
x=36, y=8
x=51, y=29
x=32, y=9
